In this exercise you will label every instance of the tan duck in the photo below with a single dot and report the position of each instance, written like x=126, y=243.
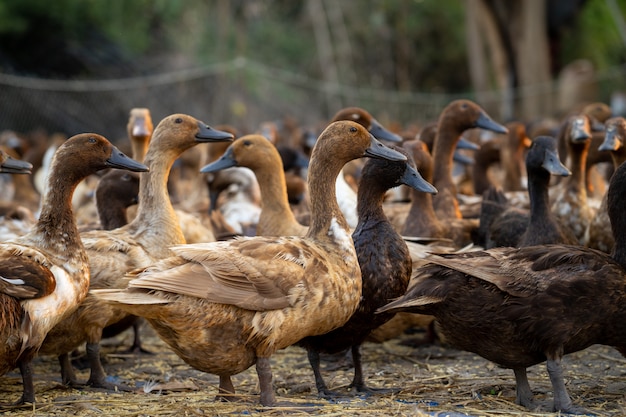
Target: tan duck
x=569, y=197
x=225, y=306
x=145, y=239
x=456, y=117
x=261, y=156
x=45, y=273
x=521, y=307
x=599, y=234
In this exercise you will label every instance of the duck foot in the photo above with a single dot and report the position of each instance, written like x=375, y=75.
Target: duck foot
x=363, y=389
x=138, y=350
x=108, y=386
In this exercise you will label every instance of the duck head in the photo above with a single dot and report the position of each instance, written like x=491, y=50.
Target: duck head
x=615, y=134
x=465, y=114
x=248, y=151
x=365, y=119
x=544, y=148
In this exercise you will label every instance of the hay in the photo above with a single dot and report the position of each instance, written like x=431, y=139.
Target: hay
x=434, y=381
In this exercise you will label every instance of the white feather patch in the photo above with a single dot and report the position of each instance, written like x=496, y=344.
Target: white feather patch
x=13, y=281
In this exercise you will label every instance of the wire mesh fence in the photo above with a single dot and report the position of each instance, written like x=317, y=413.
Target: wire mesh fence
x=240, y=92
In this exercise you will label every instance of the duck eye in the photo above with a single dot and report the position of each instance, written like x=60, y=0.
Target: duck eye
x=352, y=129
x=178, y=120
x=464, y=106
x=247, y=143
x=92, y=139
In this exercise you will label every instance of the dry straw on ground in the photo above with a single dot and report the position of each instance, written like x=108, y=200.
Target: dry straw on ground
x=434, y=381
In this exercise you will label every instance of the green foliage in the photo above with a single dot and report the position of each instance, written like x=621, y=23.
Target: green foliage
x=594, y=36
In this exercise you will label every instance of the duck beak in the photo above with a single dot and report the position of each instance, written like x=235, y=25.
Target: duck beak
x=226, y=161
x=380, y=133
x=485, y=122
x=462, y=158
x=553, y=165
x=120, y=160
x=208, y=134
x=15, y=166
x=580, y=132
x=611, y=141
x=466, y=144
x=378, y=150
x=140, y=127
x=413, y=179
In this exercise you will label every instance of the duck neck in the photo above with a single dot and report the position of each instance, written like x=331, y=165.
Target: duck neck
x=112, y=217
x=421, y=210
x=325, y=213
x=369, y=205
x=539, y=197
x=443, y=154
x=576, y=181
x=274, y=197
x=56, y=221
x=616, y=200
x=139, y=147
x=155, y=214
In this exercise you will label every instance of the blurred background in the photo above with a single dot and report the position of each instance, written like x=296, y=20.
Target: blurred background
x=72, y=66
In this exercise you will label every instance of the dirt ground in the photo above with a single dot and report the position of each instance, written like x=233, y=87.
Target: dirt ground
x=434, y=381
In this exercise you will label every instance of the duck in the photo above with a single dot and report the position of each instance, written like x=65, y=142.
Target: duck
x=234, y=193
x=225, y=306
x=115, y=192
x=112, y=253
x=599, y=235
x=294, y=163
x=420, y=220
x=569, y=198
x=17, y=210
x=139, y=130
x=595, y=179
x=502, y=224
x=45, y=273
x=347, y=193
x=385, y=267
x=529, y=305
x=508, y=151
x=455, y=118
x=10, y=165
x=262, y=157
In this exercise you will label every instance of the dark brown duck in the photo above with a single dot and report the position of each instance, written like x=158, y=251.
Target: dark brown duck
x=529, y=305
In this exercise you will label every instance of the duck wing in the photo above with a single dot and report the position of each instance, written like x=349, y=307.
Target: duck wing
x=25, y=277
x=254, y=274
x=527, y=271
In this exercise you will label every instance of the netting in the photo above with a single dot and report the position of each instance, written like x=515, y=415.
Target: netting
x=240, y=92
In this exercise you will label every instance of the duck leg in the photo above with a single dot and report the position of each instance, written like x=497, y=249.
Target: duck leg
x=264, y=372
x=68, y=376
x=226, y=391
x=137, y=346
x=524, y=395
x=97, y=376
x=322, y=389
x=562, y=400
x=358, y=382
x=28, y=393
